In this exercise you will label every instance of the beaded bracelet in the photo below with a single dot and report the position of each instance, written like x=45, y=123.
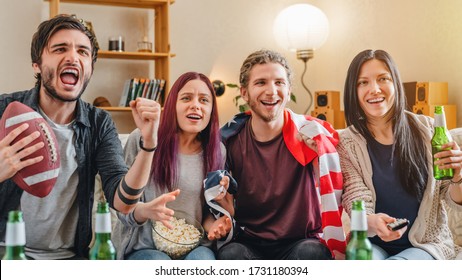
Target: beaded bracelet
x=458, y=182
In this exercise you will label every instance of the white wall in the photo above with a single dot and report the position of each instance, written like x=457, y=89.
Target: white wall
x=215, y=36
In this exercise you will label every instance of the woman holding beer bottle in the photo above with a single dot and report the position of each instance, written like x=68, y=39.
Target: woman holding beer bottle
x=387, y=161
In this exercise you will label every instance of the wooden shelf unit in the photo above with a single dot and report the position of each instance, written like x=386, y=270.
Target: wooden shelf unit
x=161, y=54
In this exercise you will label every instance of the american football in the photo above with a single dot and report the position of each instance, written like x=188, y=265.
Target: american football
x=37, y=179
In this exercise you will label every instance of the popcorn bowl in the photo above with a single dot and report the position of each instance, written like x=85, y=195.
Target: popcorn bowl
x=185, y=236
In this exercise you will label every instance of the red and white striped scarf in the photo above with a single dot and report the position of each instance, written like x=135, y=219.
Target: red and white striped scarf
x=329, y=181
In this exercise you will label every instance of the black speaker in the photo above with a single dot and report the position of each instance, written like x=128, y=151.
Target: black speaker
x=420, y=94
x=322, y=116
x=327, y=100
x=431, y=93
x=322, y=100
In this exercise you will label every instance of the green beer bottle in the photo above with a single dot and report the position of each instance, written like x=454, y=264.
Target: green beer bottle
x=15, y=237
x=103, y=249
x=359, y=247
x=440, y=137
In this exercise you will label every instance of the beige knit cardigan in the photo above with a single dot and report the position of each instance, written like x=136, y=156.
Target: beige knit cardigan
x=430, y=230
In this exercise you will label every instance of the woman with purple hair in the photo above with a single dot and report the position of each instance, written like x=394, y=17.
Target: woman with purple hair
x=188, y=147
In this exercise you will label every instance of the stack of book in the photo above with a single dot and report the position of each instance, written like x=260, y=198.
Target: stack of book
x=140, y=87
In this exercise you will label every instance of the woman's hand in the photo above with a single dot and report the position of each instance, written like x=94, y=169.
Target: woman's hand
x=146, y=114
x=157, y=209
x=224, y=183
x=451, y=158
x=220, y=228
x=224, y=199
x=308, y=141
x=377, y=224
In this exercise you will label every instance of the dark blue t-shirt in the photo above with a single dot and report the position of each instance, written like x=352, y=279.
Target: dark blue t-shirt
x=392, y=198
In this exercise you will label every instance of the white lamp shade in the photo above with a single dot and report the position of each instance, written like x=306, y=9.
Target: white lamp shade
x=301, y=27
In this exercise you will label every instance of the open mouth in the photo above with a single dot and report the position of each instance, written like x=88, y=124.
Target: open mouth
x=69, y=76
x=376, y=100
x=194, y=117
x=270, y=103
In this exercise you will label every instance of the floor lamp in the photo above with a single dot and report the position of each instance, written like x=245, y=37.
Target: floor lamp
x=301, y=28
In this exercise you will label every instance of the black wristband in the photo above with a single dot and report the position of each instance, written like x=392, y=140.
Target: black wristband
x=127, y=200
x=146, y=149
x=129, y=190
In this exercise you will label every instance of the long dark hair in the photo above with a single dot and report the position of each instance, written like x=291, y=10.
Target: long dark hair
x=408, y=143
x=165, y=169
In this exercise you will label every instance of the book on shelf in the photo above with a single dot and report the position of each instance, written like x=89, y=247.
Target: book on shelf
x=124, y=95
x=161, y=90
x=154, y=90
x=131, y=91
x=139, y=88
x=142, y=87
x=146, y=88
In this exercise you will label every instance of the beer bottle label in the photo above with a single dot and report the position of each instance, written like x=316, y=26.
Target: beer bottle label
x=358, y=220
x=15, y=234
x=103, y=223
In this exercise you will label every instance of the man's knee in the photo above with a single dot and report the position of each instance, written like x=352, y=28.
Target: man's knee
x=310, y=249
x=201, y=253
x=233, y=251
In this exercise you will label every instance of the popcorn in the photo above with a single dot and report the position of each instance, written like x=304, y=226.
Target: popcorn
x=178, y=241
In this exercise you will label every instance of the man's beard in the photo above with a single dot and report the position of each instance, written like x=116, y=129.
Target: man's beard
x=255, y=110
x=51, y=91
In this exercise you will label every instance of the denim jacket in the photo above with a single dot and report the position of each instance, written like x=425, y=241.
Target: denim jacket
x=98, y=150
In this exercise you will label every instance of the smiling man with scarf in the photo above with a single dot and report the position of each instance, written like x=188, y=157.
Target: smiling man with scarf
x=287, y=171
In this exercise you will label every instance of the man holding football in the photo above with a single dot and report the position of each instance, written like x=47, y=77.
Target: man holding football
x=58, y=226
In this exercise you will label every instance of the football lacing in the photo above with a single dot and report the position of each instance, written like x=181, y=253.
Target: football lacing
x=51, y=143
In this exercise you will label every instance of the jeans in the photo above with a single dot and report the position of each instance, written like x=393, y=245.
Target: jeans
x=407, y=254
x=199, y=253
x=244, y=248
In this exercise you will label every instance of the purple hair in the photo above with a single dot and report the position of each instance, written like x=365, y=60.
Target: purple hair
x=165, y=168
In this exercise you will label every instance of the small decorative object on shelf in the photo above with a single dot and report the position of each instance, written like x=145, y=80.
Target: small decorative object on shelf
x=101, y=101
x=116, y=43
x=145, y=45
